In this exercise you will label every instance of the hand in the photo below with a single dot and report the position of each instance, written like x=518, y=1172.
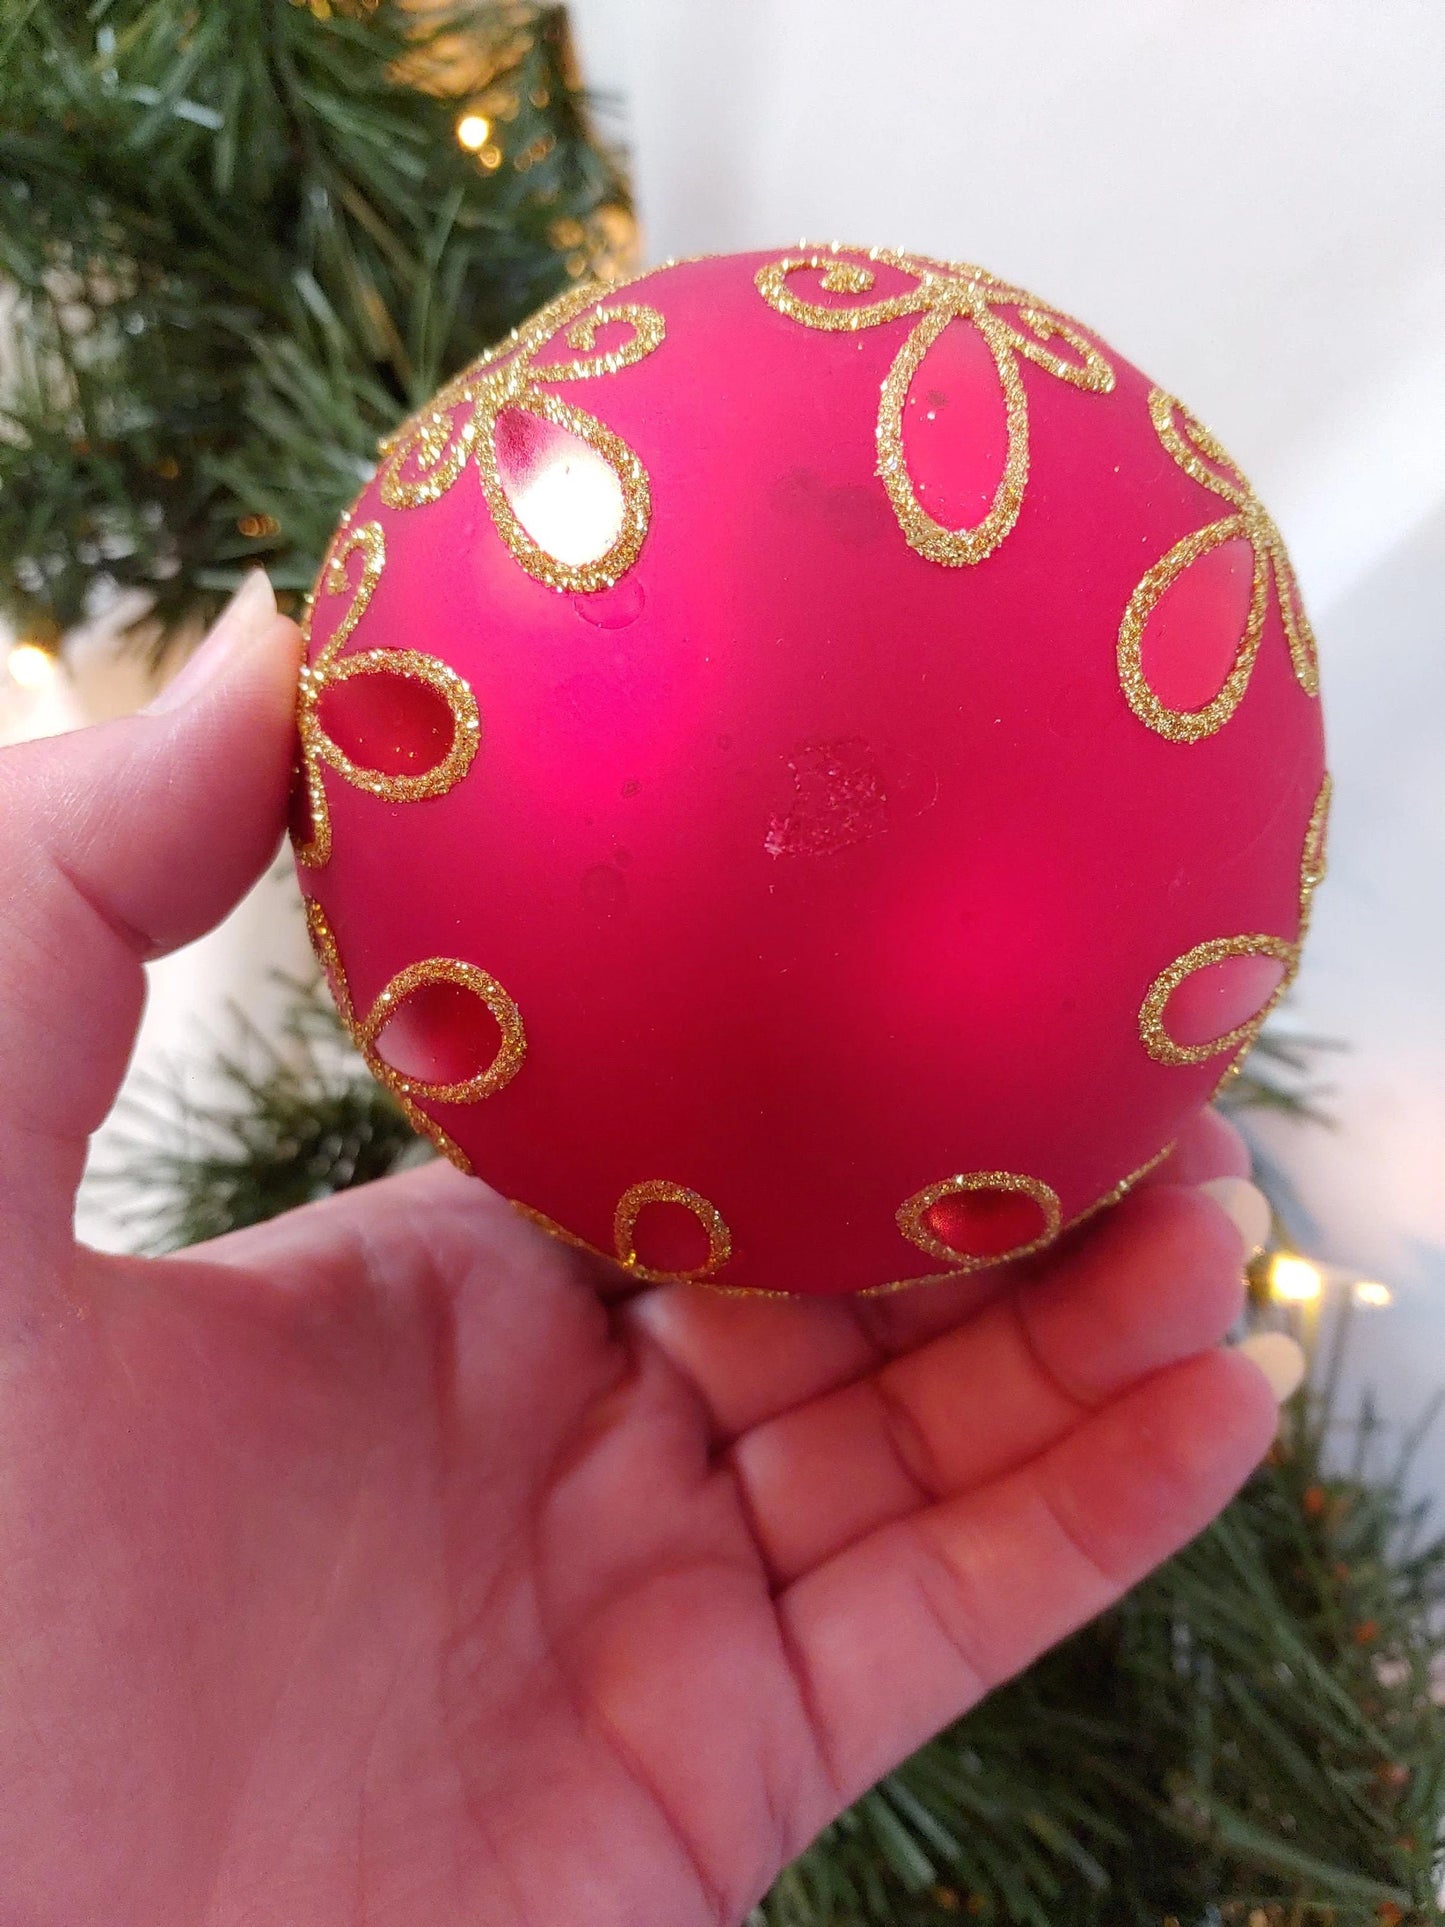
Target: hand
x=389, y=1562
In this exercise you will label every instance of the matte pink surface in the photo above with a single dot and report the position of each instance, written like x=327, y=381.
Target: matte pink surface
x=819, y=871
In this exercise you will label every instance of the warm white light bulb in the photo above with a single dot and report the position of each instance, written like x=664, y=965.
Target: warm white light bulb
x=1369, y=1291
x=31, y=666
x=473, y=131
x=1295, y=1279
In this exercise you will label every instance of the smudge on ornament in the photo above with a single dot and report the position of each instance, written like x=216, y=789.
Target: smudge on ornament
x=840, y=799
x=851, y=509
x=1192, y=636
x=604, y=888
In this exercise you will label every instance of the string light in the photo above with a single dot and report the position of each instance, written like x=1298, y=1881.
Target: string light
x=1369, y=1291
x=473, y=132
x=1294, y=1279
x=31, y=667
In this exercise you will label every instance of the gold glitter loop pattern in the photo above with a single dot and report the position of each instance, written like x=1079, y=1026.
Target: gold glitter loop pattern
x=319, y=750
x=427, y=454
x=1196, y=451
x=365, y=1030
x=913, y=1216
x=661, y=1191
x=624, y=1224
x=1155, y=1037
x=718, y=1232
x=1012, y=324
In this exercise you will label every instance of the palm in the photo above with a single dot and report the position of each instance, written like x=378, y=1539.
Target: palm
x=387, y=1563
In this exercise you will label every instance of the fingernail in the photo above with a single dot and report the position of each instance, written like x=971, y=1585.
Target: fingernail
x=1279, y=1357
x=1246, y=1207
x=251, y=610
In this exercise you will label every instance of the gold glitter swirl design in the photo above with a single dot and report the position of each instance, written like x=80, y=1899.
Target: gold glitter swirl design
x=1312, y=860
x=1197, y=452
x=1156, y=1039
x=624, y=1225
x=944, y=293
x=912, y=1216
x=319, y=751
x=662, y=1191
x=364, y=1030
x=424, y=458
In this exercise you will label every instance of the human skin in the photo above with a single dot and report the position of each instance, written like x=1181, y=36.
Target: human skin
x=391, y=1563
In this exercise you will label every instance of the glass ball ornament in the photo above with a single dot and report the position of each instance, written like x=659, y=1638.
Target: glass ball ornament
x=811, y=770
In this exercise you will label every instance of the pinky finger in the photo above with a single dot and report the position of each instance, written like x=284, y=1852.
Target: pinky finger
x=908, y=1628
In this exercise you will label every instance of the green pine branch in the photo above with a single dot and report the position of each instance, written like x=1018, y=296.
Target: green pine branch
x=237, y=244
x=1251, y=1736
x=292, y=1117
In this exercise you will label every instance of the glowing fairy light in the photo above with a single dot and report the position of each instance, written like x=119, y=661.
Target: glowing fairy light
x=31, y=667
x=1294, y=1279
x=473, y=132
x=1369, y=1291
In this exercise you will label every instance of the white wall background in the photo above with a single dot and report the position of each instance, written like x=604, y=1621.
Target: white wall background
x=1248, y=198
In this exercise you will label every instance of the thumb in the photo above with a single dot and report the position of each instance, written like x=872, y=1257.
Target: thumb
x=117, y=844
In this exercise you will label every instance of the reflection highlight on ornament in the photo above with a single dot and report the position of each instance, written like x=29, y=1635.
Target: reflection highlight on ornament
x=564, y=494
x=421, y=1038
x=979, y=1218
x=467, y=420
x=654, y=1191
x=1166, y=655
x=504, y=1041
x=1189, y=643
x=1215, y=997
x=973, y=458
x=439, y=1034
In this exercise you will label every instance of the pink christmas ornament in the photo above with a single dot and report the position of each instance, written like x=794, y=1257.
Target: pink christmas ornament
x=812, y=770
